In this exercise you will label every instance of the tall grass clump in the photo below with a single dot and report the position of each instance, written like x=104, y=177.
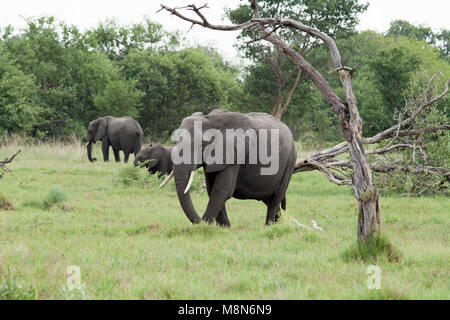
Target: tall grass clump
x=129, y=176
x=4, y=203
x=372, y=251
x=139, y=177
x=12, y=289
x=55, y=197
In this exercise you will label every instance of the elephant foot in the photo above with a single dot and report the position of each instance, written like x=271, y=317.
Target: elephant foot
x=208, y=220
x=223, y=222
x=223, y=225
x=275, y=220
x=277, y=217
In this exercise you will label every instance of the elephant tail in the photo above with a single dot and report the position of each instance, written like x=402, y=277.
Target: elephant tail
x=283, y=204
x=138, y=142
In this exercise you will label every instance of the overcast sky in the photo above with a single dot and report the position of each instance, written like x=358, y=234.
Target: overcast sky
x=87, y=13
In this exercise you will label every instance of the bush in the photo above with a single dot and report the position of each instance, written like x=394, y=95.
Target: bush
x=4, y=203
x=140, y=178
x=55, y=196
x=129, y=176
x=372, y=251
x=431, y=150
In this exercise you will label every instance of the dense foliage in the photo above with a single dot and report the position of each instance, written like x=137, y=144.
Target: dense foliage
x=55, y=78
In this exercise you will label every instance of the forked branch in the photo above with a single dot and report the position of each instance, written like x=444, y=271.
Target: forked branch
x=7, y=161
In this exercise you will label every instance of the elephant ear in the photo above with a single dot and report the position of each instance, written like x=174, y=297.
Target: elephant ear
x=223, y=120
x=101, y=129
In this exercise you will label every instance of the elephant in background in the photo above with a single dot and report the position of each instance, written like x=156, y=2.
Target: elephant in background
x=123, y=133
x=241, y=181
x=155, y=158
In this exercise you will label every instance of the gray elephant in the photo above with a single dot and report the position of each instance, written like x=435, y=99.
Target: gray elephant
x=123, y=133
x=230, y=177
x=155, y=158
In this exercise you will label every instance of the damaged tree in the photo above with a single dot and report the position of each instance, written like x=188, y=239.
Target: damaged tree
x=351, y=124
x=403, y=135
x=5, y=162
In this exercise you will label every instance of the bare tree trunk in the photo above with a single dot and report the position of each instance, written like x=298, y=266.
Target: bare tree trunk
x=291, y=93
x=369, y=222
x=276, y=110
x=279, y=108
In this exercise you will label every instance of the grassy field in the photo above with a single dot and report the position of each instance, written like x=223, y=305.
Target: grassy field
x=131, y=240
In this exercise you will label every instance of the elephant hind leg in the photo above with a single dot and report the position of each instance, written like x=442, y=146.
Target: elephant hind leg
x=116, y=155
x=126, y=156
x=273, y=209
x=279, y=197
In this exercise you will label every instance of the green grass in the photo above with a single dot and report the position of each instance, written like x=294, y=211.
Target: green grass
x=131, y=239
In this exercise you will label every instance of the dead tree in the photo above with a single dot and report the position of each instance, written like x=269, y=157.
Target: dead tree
x=403, y=135
x=5, y=162
x=351, y=124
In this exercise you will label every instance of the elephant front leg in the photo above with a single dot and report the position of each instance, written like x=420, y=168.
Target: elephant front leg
x=105, y=149
x=222, y=217
x=222, y=190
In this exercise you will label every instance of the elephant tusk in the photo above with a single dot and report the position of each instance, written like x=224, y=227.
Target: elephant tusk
x=191, y=178
x=167, y=180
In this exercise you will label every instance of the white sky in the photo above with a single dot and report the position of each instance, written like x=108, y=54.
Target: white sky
x=87, y=13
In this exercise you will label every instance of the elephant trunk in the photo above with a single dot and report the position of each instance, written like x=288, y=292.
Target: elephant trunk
x=89, y=152
x=181, y=181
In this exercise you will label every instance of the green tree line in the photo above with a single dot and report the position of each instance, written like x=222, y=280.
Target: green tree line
x=55, y=78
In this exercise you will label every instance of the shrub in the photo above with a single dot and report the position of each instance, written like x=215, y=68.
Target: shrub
x=55, y=196
x=129, y=176
x=372, y=251
x=4, y=203
x=140, y=178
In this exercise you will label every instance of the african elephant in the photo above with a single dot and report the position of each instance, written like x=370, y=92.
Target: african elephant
x=155, y=158
x=230, y=172
x=123, y=133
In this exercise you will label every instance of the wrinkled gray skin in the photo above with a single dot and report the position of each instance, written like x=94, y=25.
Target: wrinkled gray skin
x=241, y=181
x=123, y=133
x=156, y=159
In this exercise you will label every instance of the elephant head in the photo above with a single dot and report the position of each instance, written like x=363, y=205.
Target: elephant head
x=96, y=131
x=208, y=128
x=155, y=158
x=147, y=157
